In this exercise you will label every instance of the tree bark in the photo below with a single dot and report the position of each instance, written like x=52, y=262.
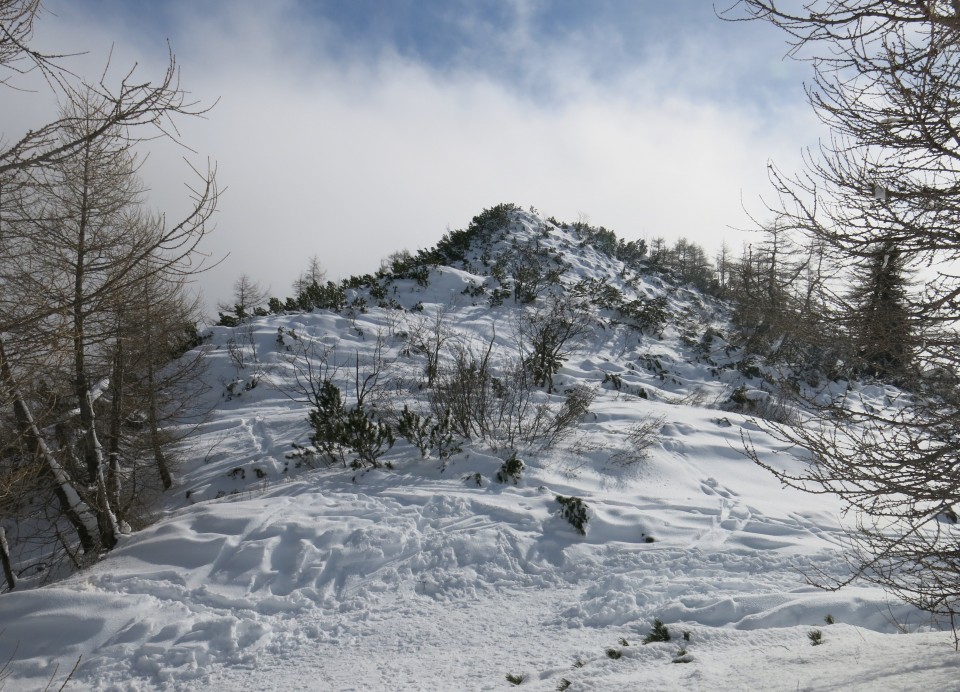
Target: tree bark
x=116, y=418
x=5, y=560
x=76, y=511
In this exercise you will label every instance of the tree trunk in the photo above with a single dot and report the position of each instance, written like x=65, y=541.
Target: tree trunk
x=156, y=444
x=5, y=559
x=92, y=449
x=116, y=415
x=73, y=507
x=106, y=520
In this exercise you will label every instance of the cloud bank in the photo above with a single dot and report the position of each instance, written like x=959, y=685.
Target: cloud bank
x=350, y=137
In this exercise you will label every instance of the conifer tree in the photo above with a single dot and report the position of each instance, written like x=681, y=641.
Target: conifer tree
x=880, y=320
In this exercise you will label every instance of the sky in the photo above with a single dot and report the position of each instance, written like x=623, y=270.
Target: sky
x=353, y=129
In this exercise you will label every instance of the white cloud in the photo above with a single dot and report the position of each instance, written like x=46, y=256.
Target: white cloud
x=351, y=159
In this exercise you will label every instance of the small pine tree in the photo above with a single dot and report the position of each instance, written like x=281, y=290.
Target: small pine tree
x=339, y=431
x=881, y=322
x=574, y=510
x=510, y=470
x=659, y=632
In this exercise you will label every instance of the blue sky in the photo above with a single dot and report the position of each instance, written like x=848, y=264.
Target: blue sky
x=350, y=129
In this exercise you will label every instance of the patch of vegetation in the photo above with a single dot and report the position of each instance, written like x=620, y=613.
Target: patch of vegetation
x=640, y=438
x=427, y=435
x=574, y=510
x=510, y=470
x=659, y=633
x=338, y=431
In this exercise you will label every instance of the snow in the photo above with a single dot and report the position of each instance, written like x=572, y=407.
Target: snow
x=265, y=573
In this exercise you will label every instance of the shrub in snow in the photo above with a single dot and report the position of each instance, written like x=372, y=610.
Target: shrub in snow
x=682, y=656
x=327, y=296
x=339, y=431
x=762, y=404
x=499, y=294
x=829, y=619
x=550, y=335
x=640, y=438
x=659, y=633
x=501, y=404
x=564, y=684
x=614, y=654
x=227, y=320
x=515, y=679
x=328, y=419
x=614, y=379
x=414, y=428
x=599, y=292
x=369, y=438
x=510, y=470
x=574, y=510
x=815, y=637
x=426, y=435
x=532, y=272
x=648, y=316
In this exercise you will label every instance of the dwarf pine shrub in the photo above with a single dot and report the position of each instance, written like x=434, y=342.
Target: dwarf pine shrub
x=426, y=435
x=338, y=432
x=574, y=510
x=510, y=470
x=415, y=429
x=659, y=633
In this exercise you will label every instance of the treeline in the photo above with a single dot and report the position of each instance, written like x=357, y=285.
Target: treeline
x=792, y=302
x=94, y=307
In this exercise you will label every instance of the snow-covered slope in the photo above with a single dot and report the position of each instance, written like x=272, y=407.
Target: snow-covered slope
x=271, y=570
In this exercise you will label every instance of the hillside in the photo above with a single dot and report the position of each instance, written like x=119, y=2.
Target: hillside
x=283, y=560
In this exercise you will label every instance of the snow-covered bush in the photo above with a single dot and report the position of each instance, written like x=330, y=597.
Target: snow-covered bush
x=510, y=470
x=658, y=633
x=574, y=510
x=648, y=316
